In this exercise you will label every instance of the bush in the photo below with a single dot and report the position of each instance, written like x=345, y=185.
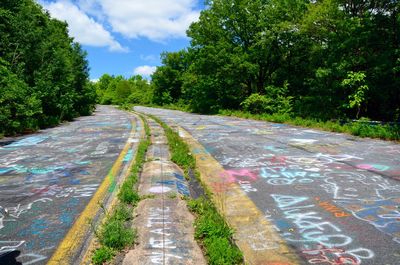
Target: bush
x=19, y=108
x=257, y=104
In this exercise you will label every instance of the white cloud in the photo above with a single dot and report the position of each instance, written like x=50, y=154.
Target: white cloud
x=157, y=20
x=84, y=29
x=92, y=8
x=145, y=70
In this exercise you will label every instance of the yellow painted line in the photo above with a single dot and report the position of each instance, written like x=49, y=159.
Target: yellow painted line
x=74, y=238
x=94, y=244
x=256, y=237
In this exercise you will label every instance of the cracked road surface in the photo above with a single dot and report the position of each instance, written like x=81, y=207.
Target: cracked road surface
x=48, y=178
x=332, y=198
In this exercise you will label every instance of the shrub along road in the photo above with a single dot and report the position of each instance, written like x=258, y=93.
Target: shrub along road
x=54, y=180
x=322, y=198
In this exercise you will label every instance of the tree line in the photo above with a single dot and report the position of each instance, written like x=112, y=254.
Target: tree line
x=43, y=72
x=118, y=90
x=324, y=59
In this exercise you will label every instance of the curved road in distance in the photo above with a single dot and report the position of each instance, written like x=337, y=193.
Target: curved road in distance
x=47, y=179
x=333, y=198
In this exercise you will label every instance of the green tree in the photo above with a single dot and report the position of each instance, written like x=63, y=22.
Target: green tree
x=241, y=48
x=39, y=52
x=355, y=81
x=167, y=79
x=19, y=109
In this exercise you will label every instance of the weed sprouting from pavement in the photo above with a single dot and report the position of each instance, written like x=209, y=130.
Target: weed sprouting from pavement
x=180, y=153
x=127, y=192
x=116, y=233
x=103, y=254
x=214, y=234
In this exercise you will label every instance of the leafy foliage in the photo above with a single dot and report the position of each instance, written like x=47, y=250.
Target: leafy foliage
x=44, y=74
x=340, y=57
x=19, y=110
x=274, y=101
x=356, y=82
x=118, y=90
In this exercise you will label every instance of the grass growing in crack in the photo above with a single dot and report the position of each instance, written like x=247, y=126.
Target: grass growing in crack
x=127, y=192
x=116, y=233
x=214, y=234
x=103, y=254
x=211, y=230
x=180, y=153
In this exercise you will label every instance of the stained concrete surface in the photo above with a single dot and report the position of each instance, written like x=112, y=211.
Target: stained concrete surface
x=163, y=221
x=47, y=179
x=165, y=234
x=333, y=198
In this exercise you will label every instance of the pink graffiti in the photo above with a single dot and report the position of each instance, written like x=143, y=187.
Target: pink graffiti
x=325, y=255
x=373, y=167
x=278, y=160
x=232, y=176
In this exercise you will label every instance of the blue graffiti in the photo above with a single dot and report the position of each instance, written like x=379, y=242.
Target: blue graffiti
x=178, y=176
x=167, y=182
x=84, y=172
x=38, y=226
x=83, y=162
x=182, y=188
x=285, y=201
x=283, y=224
x=33, y=140
x=128, y=156
x=4, y=170
x=66, y=219
x=288, y=176
x=383, y=214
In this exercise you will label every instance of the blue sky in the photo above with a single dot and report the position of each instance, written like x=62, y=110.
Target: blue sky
x=126, y=37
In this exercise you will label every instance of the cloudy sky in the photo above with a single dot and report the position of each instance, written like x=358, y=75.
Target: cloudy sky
x=126, y=37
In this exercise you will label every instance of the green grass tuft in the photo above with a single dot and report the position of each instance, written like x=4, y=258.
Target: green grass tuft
x=115, y=233
x=213, y=232
x=127, y=193
x=180, y=153
x=102, y=255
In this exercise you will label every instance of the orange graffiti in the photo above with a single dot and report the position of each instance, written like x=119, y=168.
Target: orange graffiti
x=333, y=209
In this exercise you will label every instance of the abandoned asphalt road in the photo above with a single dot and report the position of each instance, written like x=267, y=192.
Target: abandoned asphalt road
x=333, y=198
x=48, y=178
